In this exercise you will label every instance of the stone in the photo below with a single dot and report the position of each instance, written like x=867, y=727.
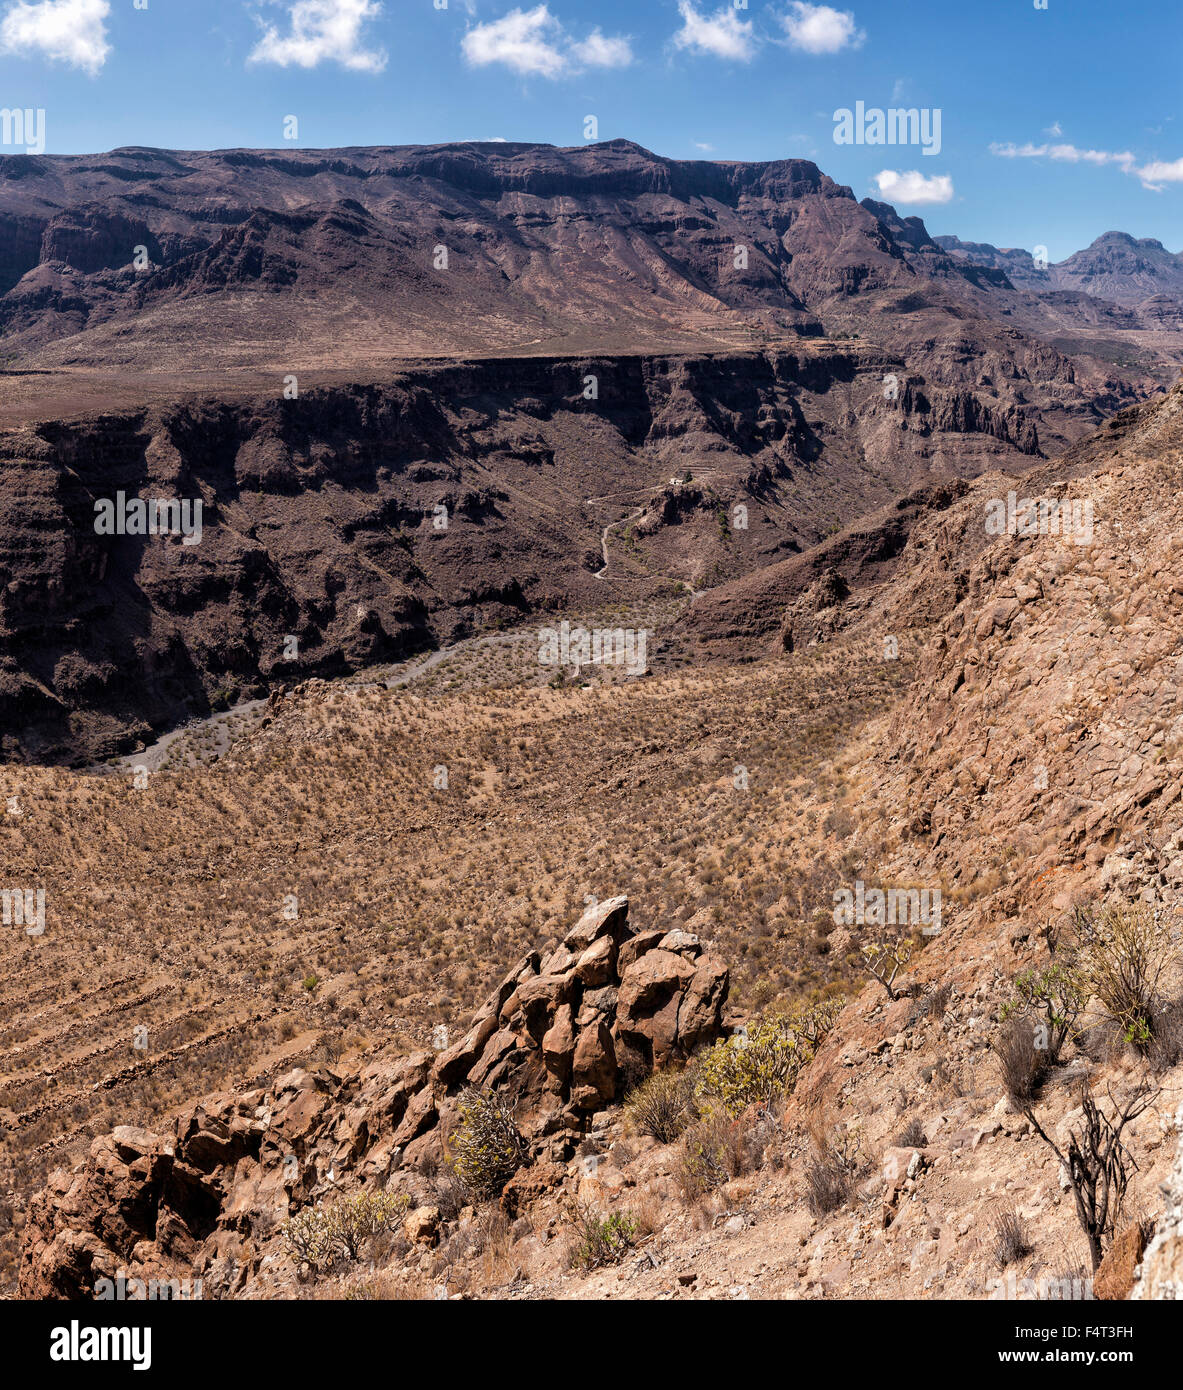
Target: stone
x=422, y=1225
x=593, y=1069
x=602, y=919
x=1161, y=1276
x=635, y=947
x=528, y=1184
x=595, y=966
x=683, y=942
x=558, y=1043
x=649, y=982
x=1114, y=1279
x=539, y=998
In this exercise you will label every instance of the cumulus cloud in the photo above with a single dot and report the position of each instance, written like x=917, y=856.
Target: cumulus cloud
x=323, y=31
x=597, y=51
x=1153, y=175
x=820, y=29
x=914, y=188
x=534, y=43
x=66, y=31
x=1156, y=173
x=723, y=34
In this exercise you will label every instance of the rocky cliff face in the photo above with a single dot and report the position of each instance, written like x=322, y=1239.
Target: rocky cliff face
x=556, y=1042
x=1161, y=1277
x=354, y=525
x=1116, y=267
x=301, y=260
x=133, y=285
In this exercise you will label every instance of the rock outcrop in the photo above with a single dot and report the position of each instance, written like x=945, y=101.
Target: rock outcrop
x=557, y=1040
x=1162, y=1264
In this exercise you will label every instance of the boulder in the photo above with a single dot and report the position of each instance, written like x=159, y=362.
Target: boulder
x=422, y=1225
x=593, y=1068
x=1162, y=1264
x=602, y=919
x=1114, y=1279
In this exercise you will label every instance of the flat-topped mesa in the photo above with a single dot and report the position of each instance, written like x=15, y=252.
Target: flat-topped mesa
x=560, y=1038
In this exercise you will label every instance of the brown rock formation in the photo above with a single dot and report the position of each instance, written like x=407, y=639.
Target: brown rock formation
x=203, y=1200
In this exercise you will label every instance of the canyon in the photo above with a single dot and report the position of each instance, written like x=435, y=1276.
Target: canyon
x=433, y=402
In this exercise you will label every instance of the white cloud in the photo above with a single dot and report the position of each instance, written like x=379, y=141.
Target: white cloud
x=723, y=34
x=600, y=52
x=912, y=187
x=1156, y=173
x=534, y=43
x=66, y=31
x=1152, y=176
x=1068, y=154
x=524, y=40
x=323, y=31
x=820, y=29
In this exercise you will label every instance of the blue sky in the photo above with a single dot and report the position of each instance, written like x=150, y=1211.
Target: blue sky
x=1057, y=123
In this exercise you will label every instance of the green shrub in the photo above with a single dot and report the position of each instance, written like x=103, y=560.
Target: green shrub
x=1123, y=955
x=600, y=1240
x=486, y=1148
x=325, y=1236
x=761, y=1063
x=1058, y=995
x=662, y=1106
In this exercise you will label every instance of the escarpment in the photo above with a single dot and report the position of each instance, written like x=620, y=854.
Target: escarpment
x=354, y=525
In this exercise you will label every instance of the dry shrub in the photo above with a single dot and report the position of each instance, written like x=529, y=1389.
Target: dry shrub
x=325, y=1236
x=1023, y=1065
x=718, y=1148
x=912, y=1136
x=1166, y=1044
x=1097, y=1162
x=831, y=1168
x=1124, y=953
x=1009, y=1242
x=662, y=1106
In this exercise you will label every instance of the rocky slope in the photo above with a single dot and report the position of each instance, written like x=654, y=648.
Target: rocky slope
x=1116, y=266
x=257, y=364
x=552, y=1042
x=1033, y=765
